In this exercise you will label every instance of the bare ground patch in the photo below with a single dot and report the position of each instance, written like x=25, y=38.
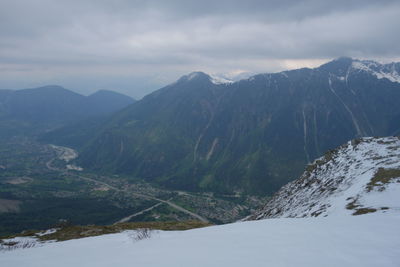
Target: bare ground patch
x=382, y=176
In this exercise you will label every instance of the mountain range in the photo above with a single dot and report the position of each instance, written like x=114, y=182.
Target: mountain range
x=250, y=136
x=212, y=134
x=253, y=135
x=32, y=111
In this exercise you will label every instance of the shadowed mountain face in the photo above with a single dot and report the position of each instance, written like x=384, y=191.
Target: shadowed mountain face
x=35, y=110
x=253, y=135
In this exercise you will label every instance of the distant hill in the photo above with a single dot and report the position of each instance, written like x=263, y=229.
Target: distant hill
x=104, y=101
x=38, y=109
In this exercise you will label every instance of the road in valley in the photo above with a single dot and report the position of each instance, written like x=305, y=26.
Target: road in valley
x=160, y=201
x=173, y=205
x=128, y=218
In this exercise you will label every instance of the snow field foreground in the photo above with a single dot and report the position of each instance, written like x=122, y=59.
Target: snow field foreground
x=367, y=240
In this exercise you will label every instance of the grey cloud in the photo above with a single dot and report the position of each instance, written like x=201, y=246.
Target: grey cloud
x=60, y=41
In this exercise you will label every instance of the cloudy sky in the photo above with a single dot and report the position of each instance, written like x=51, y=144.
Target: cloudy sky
x=135, y=46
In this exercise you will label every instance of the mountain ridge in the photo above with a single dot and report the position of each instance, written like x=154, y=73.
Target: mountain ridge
x=39, y=109
x=361, y=176
x=253, y=135
x=385, y=69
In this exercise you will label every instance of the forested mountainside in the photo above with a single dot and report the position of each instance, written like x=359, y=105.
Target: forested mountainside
x=254, y=135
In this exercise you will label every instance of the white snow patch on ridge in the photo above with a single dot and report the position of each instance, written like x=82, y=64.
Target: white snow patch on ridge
x=219, y=80
x=215, y=79
x=192, y=75
x=380, y=71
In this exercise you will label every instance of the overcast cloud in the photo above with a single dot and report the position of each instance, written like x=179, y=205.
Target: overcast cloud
x=138, y=46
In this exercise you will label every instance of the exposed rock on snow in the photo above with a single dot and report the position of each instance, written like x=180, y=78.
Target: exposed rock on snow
x=362, y=176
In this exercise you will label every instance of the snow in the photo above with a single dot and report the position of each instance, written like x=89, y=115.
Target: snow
x=283, y=73
x=393, y=77
x=330, y=187
x=192, y=75
x=390, y=198
x=47, y=232
x=215, y=79
x=20, y=242
x=368, y=240
x=380, y=71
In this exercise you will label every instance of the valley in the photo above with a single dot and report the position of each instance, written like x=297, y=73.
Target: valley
x=39, y=188
x=251, y=136
x=211, y=155
x=196, y=149
x=343, y=211
x=255, y=133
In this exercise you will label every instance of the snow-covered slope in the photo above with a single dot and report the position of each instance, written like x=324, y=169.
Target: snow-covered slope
x=362, y=176
x=381, y=71
x=370, y=240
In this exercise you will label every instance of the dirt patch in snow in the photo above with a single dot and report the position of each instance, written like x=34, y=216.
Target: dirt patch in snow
x=382, y=177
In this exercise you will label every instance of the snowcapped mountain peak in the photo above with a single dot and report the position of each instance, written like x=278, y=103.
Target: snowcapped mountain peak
x=214, y=78
x=195, y=75
x=362, y=176
x=233, y=76
x=345, y=67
